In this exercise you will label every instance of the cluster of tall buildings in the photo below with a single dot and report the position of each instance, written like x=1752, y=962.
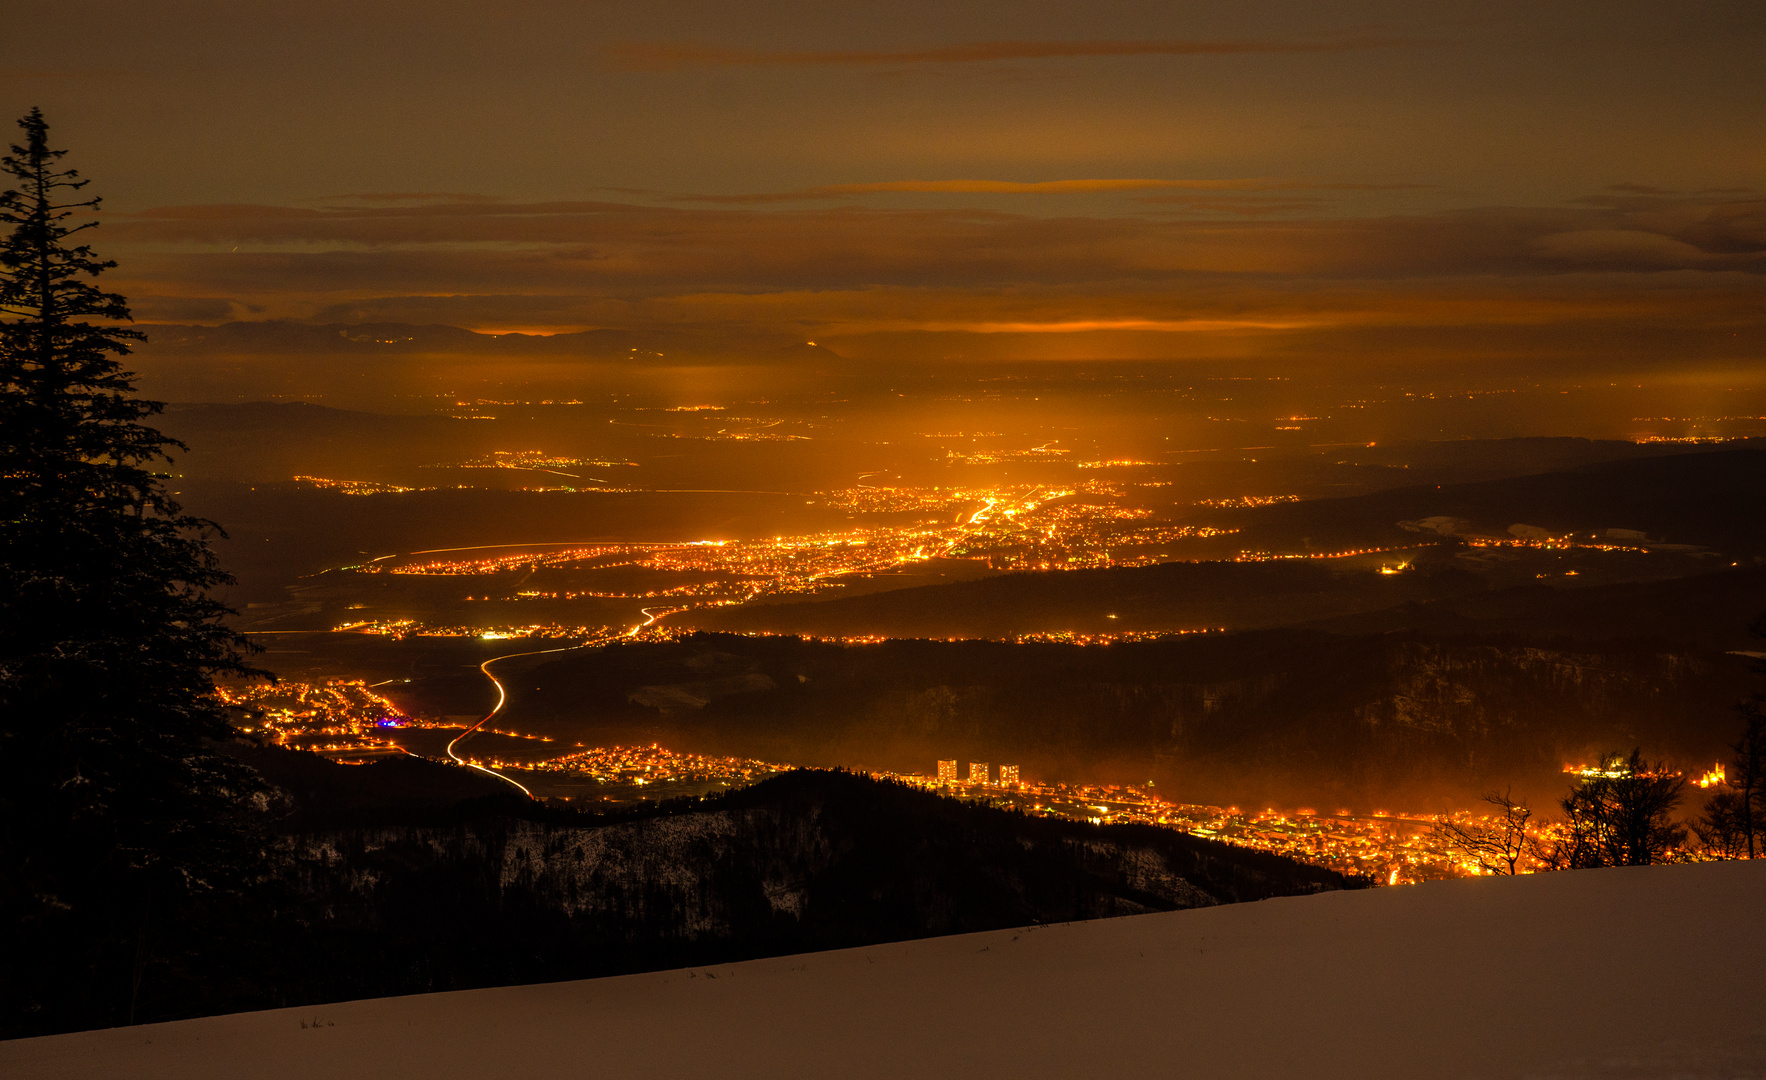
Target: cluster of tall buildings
x=980, y=772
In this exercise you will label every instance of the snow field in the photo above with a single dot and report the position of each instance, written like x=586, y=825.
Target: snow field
x=1636, y=973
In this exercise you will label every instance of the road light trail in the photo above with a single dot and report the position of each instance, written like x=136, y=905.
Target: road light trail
x=502, y=700
x=651, y=615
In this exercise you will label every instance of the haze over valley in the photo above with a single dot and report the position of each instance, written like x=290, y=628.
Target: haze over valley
x=1238, y=582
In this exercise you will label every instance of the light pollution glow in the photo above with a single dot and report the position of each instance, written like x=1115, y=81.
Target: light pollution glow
x=1352, y=184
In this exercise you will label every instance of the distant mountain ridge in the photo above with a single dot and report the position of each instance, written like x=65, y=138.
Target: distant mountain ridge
x=1709, y=611
x=1715, y=498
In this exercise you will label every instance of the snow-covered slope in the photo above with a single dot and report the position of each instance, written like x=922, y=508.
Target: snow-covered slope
x=1647, y=972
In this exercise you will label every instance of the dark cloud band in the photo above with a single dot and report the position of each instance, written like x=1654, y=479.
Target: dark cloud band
x=667, y=55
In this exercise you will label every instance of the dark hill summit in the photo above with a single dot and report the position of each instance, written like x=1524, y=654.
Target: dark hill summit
x=320, y=793
x=805, y=861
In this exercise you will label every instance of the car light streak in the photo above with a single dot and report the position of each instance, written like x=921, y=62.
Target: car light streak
x=502, y=700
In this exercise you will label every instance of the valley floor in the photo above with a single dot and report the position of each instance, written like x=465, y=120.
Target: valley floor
x=1634, y=973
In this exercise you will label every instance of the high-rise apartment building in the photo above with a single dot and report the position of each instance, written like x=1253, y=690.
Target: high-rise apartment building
x=1008, y=775
x=947, y=772
x=977, y=772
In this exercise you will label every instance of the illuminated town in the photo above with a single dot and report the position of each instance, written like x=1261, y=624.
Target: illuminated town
x=1023, y=528
x=1092, y=524
x=400, y=629
x=1386, y=847
x=534, y=460
x=346, y=720
x=652, y=765
x=342, y=719
x=353, y=487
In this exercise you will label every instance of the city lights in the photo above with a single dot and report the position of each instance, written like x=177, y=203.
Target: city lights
x=342, y=719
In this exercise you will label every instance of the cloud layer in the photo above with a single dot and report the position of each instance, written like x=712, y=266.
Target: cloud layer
x=1042, y=187
x=672, y=55
x=1691, y=264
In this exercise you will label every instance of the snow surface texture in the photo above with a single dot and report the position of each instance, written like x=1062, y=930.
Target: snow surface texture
x=1652, y=972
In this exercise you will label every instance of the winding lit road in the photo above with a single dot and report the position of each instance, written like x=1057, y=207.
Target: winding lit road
x=502, y=700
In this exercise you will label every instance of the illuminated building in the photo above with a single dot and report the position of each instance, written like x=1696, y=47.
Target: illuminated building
x=1008, y=775
x=947, y=772
x=977, y=772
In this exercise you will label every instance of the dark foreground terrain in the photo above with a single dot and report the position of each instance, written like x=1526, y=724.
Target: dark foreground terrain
x=1380, y=984
x=455, y=887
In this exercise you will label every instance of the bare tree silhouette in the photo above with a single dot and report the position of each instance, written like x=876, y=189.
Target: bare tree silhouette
x=1500, y=846
x=1621, y=814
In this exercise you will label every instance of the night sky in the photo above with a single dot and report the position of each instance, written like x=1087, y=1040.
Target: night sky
x=1345, y=183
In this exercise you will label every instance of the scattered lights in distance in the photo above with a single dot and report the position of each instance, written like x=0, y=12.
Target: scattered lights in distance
x=1046, y=452
x=354, y=487
x=1269, y=556
x=1246, y=501
x=534, y=461
x=1691, y=439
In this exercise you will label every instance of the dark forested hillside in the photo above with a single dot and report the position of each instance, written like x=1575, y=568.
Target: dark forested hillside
x=1168, y=596
x=1716, y=499
x=1707, y=611
x=806, y=861
x=1288, y=716
x=316, y=792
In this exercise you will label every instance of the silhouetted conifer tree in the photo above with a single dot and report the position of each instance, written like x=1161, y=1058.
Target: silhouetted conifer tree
x=117, y=822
